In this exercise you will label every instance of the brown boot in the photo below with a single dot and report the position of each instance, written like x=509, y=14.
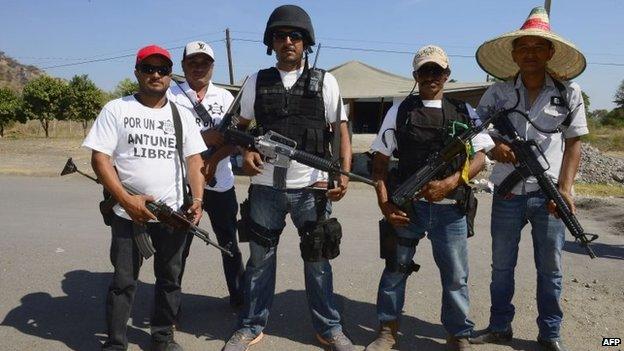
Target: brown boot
x=386, y=338
x=457, y=344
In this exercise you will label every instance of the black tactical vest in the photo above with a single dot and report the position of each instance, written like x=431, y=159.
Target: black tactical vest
x=421, y=131
x=297, y=113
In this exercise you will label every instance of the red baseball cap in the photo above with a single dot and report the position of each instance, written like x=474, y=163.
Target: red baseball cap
x=150, y=50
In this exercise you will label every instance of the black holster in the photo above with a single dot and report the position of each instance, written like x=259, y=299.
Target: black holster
x=468, y=205
x=106, y=207
x=242, y=224
x=388, y=242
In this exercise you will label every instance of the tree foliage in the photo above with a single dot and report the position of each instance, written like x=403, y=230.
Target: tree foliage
x=44, y=99
x=83, y=101
x=125, y=87
x=9, y=108
x=619, y=96
x=586, y=102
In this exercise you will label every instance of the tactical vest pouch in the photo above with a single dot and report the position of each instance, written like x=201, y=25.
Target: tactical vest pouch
x=311, y=245
x=468, y=205
x=333, y=236
x=242, y=224
x=320, y=240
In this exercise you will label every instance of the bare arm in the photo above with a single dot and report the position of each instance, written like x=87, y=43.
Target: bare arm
x=391, y=212
x=196, y=181
x=436, y=190
x=569, y=168
x=133, y=204
x=345, y=161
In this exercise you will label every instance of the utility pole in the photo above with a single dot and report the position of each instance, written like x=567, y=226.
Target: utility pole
x=547, y=6
x=228, y=47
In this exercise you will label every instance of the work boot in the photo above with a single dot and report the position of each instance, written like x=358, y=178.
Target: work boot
x=241, y=341
x=457, y=344
x=492, y=337
x=338, y=342
x=166, y=346
x=386, y=338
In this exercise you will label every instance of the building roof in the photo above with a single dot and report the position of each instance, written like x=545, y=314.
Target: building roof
x=358, y=80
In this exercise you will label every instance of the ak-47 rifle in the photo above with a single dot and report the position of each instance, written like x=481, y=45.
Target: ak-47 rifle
x=531, y=161
x=279, y=150
x=163, y=213
x=439, y=161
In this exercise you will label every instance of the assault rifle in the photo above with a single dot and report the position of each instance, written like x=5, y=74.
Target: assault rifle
x=280, y=150
x=163, y=213
x=439, y=161
x=531, y=161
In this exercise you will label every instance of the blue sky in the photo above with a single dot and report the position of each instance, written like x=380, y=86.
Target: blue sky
x=51, y=33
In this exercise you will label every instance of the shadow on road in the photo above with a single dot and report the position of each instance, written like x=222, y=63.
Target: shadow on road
x=602, y=250
x=77, y=319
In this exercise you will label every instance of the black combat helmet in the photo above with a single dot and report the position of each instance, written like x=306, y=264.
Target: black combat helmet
x=289, y=16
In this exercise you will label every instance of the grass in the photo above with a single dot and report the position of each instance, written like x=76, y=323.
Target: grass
x=587, y=189
x=604, y=137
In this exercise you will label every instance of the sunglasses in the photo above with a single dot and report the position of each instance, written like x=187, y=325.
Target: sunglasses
x=294, y=35
x=431, y=70
x=149, y=69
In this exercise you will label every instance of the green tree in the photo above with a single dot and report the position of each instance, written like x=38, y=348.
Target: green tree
x=44, y=99
x=9, y=108
x=619, y=96
x=586, y=102
x=84, y=100
x=125, y=87
x=614, y=118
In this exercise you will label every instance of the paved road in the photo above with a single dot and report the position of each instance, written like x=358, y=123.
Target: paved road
x=55, y=270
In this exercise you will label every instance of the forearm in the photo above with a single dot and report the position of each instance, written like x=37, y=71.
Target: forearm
x=477, y=163
x=570, y=163
x=345, y=147
x=195, y=176
x=380, y=175
x=103, y=168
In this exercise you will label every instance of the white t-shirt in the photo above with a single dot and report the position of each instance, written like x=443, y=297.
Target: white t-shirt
x=481, y=141
x=298, y=175
x=142, y=144
x=216, y=101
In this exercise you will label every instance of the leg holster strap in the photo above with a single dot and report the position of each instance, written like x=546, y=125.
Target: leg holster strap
x=389, y=241
x=263, y=236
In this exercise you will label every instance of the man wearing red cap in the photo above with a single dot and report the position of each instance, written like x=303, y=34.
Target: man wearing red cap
x=135, y=142
x=537, y=65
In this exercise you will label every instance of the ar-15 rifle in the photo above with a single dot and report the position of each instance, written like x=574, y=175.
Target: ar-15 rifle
x=531, y=161
x=280, y=150
x=439, y=161
x=163, y=213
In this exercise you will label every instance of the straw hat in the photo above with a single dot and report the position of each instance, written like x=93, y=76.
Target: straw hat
x=494, y=56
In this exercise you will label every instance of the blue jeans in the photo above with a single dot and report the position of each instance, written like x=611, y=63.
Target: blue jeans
x=268, y=208
x=509, y=216
x=446, y=228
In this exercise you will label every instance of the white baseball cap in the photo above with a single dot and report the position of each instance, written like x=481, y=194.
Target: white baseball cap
x=430, y=53
x=197, y=47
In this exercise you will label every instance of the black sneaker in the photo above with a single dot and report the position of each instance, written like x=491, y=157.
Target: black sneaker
x=166, y=346
x=492, y=337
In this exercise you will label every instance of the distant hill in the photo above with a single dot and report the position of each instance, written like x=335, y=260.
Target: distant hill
x=14, y=74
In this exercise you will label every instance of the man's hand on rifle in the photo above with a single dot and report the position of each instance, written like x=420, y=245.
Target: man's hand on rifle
x=436, y=190
x=502, y=152
x=212, y=137
x=252, y=163
x=340, y=190
x=394, y=215
x=194, y=213
x=567, y=197
x=135, y=207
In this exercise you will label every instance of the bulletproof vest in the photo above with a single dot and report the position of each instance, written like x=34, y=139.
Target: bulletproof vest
x=422, y=131
x=297, y=113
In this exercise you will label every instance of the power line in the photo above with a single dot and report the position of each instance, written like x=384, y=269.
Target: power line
x=115, y=57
